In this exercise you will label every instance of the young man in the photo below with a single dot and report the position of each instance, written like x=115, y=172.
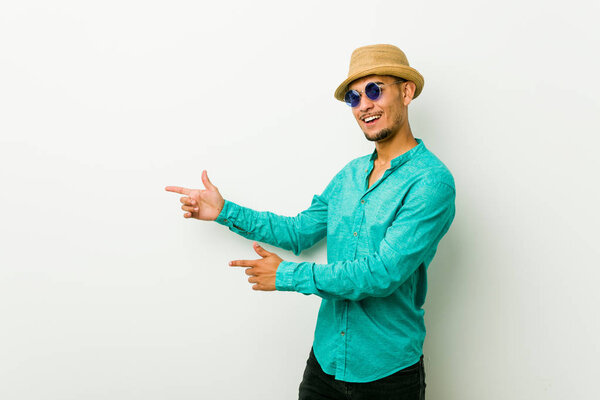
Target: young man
x=384, y=215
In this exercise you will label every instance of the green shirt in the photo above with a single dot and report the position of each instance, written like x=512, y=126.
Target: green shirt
x=380, y=241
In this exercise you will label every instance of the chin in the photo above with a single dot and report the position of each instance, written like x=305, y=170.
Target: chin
x=381, y=135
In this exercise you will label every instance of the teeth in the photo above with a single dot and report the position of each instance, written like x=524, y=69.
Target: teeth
x=371, y=118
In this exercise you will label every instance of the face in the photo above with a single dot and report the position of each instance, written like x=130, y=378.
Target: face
x=383, y=118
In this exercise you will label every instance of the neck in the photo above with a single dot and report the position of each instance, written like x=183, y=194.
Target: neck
x=397, y=145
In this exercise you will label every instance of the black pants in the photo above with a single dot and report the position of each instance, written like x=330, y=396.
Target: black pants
x=406, y=384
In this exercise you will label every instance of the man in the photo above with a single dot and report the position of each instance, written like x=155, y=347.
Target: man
x=384, y=215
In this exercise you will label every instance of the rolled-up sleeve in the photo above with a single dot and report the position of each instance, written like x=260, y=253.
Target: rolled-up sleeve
x=410, y=241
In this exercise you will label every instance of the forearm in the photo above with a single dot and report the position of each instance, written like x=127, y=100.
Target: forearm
x=372, y=276
x=289, y=233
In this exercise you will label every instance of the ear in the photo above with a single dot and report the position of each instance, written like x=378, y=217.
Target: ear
x=408, y=91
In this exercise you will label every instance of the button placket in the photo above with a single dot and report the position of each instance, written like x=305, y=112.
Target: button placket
x=358, y=220
x=342, y=355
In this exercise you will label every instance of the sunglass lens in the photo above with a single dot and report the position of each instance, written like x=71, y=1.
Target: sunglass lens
x=372, y=91
x=352, y=98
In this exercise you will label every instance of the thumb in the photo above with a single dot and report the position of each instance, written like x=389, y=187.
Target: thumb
x=260, y=250
x=207, y=183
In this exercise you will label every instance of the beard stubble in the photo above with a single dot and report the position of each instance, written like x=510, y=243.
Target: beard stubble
x=382, y=134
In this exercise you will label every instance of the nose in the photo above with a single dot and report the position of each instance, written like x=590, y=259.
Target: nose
x=365, y=103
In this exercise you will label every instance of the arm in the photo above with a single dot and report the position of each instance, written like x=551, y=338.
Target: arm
x=410, y=241
x=289, y=233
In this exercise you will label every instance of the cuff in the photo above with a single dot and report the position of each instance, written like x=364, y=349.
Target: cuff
x=232, y=217
x=284, y=278
x=226, y=214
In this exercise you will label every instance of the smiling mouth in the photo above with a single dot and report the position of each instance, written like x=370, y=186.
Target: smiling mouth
x=371, y=119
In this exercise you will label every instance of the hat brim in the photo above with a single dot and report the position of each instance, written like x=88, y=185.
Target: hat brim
x=404, y=72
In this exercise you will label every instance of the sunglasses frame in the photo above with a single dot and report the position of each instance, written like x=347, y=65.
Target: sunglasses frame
x=360, y=92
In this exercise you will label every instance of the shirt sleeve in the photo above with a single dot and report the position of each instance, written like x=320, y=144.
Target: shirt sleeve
x=410, y=241
x=290, y=233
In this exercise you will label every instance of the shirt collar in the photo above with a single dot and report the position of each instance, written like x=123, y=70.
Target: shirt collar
x=403, y=158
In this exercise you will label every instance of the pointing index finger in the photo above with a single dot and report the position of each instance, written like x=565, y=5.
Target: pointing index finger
x=178, y=189
x=241, y=263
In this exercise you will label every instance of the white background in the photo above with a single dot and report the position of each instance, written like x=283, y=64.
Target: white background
x=107, y=292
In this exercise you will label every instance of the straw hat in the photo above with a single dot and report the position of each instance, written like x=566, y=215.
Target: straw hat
x=379, y=59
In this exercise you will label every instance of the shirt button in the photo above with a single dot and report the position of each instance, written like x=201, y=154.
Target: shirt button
x=342, y=333
x=226, y=220
x=355, y=234
x=362, y=202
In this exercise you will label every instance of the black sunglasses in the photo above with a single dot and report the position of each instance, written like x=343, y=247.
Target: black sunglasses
x=372, y=90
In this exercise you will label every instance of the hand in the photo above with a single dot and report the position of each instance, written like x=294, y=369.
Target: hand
x=262, y=271
x=205, y=205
